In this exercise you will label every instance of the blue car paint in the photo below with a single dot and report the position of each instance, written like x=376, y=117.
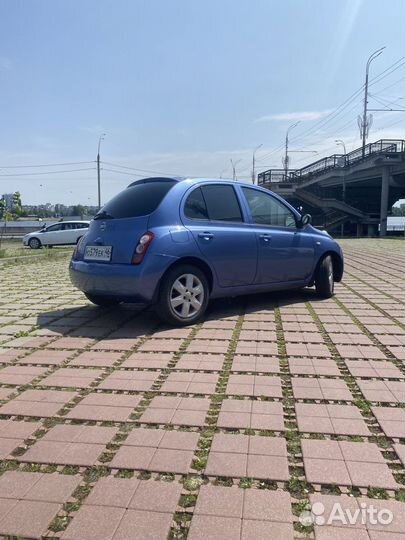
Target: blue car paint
x=239, y=259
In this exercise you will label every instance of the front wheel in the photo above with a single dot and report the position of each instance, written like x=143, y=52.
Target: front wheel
x=34, y=243
x=184, y=295
x=102, y=301
x=324, y=281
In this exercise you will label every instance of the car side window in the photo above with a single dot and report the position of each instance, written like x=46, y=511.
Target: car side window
x=266, y=210
x=195, y=207
x=222, y=203
x=54, y=228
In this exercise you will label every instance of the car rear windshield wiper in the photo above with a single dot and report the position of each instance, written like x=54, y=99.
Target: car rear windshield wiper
x=103, y=215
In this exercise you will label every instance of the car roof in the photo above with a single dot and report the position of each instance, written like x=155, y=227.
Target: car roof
x=188, y=179
x=59, y=222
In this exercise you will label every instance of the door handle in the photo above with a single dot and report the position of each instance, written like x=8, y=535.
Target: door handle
x=265, y=237
x=205, y=235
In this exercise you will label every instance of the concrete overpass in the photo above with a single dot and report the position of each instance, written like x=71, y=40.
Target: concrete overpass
x=356, y=189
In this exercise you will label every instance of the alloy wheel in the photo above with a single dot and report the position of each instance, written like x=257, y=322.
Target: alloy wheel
x=186, y=296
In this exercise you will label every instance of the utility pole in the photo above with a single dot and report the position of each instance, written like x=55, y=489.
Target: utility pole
x=286, y=150
x=234, y=163
x=98, y=170
x=365, y=122
x=340, y=142
x=253, y=164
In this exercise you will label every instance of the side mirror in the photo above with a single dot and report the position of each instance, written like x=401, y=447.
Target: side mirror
x=305, y=220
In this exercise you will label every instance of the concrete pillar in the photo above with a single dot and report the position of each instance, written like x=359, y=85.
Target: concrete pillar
x=385, y=186
x=359, y=229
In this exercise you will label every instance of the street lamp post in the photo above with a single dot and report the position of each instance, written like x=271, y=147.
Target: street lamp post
x=286, y=150
x=98, y=170
x=253, y=164
x=234, y=163
x=365, y=121
x=341, y=143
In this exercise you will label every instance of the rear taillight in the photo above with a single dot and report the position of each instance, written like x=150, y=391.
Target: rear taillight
x=142, y=247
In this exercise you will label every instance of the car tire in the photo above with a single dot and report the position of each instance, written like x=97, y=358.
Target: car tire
x=184, y=295
x=102, y=301
x=34, y=243
x=324, y=282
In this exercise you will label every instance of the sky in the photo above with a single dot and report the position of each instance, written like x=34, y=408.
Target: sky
x=184, y=86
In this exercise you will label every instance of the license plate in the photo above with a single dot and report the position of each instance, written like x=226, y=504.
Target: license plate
x=97, y=253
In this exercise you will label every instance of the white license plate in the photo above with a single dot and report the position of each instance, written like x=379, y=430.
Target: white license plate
x=97, y=253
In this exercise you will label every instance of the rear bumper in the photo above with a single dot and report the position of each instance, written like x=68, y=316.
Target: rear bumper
x=126, y=282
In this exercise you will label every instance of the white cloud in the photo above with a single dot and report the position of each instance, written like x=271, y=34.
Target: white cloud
x=303, y=116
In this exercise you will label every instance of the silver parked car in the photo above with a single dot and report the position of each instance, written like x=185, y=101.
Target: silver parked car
x=58, y=234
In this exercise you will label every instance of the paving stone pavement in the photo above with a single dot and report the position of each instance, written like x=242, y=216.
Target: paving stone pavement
x=113, y=426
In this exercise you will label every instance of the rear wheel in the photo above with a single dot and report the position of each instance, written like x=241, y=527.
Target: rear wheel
x=324, y=282
x=102, y=301
x=34, y=243
x=184, y=295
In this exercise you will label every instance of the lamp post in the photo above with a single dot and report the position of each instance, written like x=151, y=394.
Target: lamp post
x=234, y=163
x=365, y=121
x=253, y=163
x=341, y=143
x=101, y=138
x=286, y=149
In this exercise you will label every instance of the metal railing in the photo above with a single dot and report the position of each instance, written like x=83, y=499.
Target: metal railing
x=340, y=161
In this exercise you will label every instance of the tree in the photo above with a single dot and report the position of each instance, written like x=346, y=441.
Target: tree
x=5, y=215
x=78, y=210
x=17, y=205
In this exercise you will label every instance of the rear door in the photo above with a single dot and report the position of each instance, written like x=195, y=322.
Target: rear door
x=213, y=215
x=285, y=252
x=68, y=234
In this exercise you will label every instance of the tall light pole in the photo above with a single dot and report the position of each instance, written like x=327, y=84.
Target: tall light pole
x=341, y=143
x=286, y=149
x=365, y=122
x=253, y=164
x=234, y=163
x=98, y=169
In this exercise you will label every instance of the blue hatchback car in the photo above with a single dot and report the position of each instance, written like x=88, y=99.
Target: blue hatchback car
x=177, y=242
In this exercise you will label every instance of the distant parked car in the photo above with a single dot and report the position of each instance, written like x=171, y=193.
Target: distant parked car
x=178, y=242
x=58, y=234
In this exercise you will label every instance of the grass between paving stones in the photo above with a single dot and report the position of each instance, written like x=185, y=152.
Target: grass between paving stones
x=297, y=486
x=192, y=482
x=365, y=407
x=387, y=353
x=91, y=474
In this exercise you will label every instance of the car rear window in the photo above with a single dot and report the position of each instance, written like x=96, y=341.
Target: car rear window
x=137, y=200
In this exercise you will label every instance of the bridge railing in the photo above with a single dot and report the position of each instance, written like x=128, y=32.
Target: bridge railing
x=332, y=162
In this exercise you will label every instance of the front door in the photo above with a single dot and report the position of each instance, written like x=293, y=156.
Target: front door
x=285, y=252
x=213, y=215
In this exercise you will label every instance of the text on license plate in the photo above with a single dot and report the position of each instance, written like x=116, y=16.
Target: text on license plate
x=98, y=253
